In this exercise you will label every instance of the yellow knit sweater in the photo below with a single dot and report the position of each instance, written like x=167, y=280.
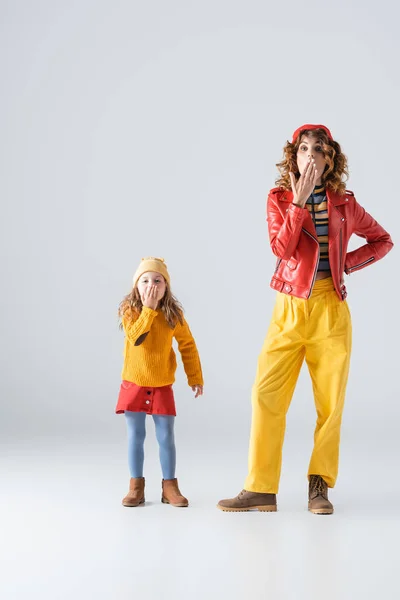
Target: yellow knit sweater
x=149, y=360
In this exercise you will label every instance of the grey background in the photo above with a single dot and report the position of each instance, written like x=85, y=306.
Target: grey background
x=131, y=129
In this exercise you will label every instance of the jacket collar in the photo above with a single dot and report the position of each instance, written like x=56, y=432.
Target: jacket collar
x=333, y=197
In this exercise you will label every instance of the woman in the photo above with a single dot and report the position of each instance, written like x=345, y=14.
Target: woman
x=311, y=217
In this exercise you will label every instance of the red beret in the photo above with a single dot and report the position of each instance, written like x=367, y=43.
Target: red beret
x=307, y=127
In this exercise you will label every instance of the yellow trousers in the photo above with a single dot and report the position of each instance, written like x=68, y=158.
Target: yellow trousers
x=319, y=330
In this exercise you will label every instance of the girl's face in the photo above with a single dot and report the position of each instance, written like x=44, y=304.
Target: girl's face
x=309, y=148
x=149, y=279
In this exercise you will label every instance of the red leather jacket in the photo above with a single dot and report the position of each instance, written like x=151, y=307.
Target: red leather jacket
x=294, y=241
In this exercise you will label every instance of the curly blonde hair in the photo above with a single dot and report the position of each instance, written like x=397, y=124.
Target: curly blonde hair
x=132, y=305
x=336, y=170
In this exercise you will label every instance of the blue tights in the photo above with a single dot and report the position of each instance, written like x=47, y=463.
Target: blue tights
x=136, y=423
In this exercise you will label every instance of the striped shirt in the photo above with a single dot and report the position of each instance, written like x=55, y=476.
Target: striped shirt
x=318, y=209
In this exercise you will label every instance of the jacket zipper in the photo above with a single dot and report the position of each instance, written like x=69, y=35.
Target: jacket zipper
x=360, y=265
x=278, y=262
x=340, y=263
x=317, y=263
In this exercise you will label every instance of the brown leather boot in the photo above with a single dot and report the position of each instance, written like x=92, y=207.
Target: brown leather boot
x=249, y=501
x=318, y=502
x=135, y=496
x=171, y=493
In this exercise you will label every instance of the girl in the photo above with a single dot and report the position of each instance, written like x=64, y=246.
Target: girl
x=311, y=218
x=151, y=317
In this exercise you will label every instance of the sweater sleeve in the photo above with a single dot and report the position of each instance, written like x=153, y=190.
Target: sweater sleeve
x=134, y=328
x=378, y=244
x=190, y=356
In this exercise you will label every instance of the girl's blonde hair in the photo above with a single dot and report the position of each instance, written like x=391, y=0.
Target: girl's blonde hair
x=132, y=305
x=336, y=170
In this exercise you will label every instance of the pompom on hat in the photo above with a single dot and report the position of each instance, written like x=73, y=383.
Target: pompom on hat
x=308, y=128
x=151, y=263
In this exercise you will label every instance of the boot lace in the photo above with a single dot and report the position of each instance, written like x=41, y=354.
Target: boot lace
x=318, y=487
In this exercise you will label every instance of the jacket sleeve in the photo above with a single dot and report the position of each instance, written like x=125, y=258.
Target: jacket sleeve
x=136, y=327
x=379, y=242
x=284, y=232
x=190, y=356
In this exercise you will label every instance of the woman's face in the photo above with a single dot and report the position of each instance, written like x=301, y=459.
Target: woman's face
x=311, y=148
x=151, y=278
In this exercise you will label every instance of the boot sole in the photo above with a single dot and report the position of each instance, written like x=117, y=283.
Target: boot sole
x=178, y=505
x=250, y=508
x=321, y=511
x=133, y=505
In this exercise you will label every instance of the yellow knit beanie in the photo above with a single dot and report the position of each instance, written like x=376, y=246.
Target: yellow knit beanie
x=151, y=263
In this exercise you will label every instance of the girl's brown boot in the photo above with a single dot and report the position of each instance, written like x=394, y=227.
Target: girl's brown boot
x=171, y=493
x=135, y=496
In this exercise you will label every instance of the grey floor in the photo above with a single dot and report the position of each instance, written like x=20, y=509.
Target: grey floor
x=64, y=533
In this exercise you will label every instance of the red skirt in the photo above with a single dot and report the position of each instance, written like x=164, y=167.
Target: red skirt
x=151, y=400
